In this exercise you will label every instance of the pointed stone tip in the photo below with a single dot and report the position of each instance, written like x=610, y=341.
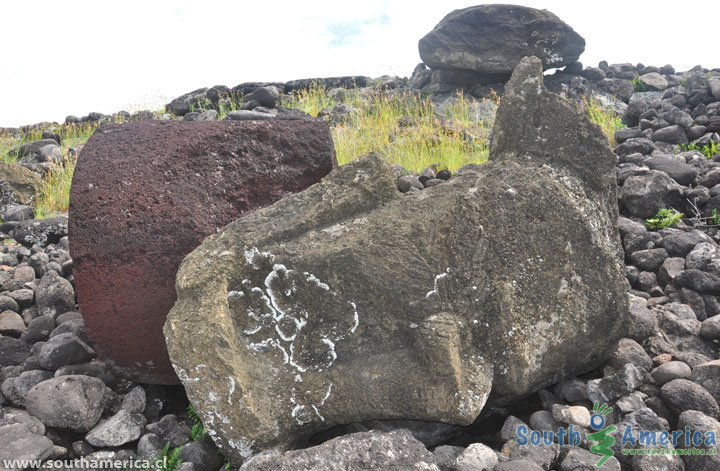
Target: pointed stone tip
x=528, y=75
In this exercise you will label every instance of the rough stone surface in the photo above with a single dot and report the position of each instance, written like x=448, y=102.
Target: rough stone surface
x=18, y=185
x=41, y=231
x=181, y=181
x=362, y=451
x=55, y=295
x=295, y=296
x=476, y=457
x=17, y=443
x=69, y=402
x=493, y=39
x=123, y=427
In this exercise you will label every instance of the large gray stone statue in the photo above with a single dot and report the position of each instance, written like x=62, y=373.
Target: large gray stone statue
x=350, y=302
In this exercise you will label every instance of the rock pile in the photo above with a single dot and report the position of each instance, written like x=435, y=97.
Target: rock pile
x=57, y=400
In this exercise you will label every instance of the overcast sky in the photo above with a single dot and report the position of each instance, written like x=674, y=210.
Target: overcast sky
x=73, y=57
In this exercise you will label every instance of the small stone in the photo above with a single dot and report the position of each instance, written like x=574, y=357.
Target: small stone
x=572, y=415
x=446, y=455
x=124, y=427
x=619, y=384
x=681, y=395
x=578, y=459
x=149, y=446
x=649, y=260
x=69, y=402
x=16, y=389
x=17, y=443
x=38, y=329
x=518, y=465
x=707, y=375
x=169, y=429
x=572, y=390
x=670, y=371
x=11, y=324
x=55, y=295
x=24, y=273
x=476, y=457
x=509, y=429
x=629, y=351
x=406, y=182
x=13, y=351
x=544, y=420
x=65, y=349
x=134, y=401
x=710, y=328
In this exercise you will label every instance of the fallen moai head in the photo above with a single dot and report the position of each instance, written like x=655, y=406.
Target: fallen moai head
x=350, y=302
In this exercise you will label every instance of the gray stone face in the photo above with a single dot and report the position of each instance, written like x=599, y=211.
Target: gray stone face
x=69, y=402
x=368, y=450
x=17, y=443
x=123, y=427
x=493, y=39
x=304, y=315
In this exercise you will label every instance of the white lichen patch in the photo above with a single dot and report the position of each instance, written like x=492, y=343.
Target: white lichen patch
x=435, y=290
x=274, y=317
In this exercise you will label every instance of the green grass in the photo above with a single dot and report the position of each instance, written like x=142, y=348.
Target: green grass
x=448, y=141
x=406, y=129
x=708, y=150
x=55, y=194
x=604, y=117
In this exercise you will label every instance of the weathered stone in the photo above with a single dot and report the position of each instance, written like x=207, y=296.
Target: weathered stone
x=70, y=402
x=181, y=181
x=55, y=295
x=295, y=297
x=18, y=185
x=17, y=443
x=65, y=349
x=367, y=450
x=202, y=454
x=13, y=351
x=495, y=38
x=123, y=427
x=695, y=421
x=476, y=457
x=644, y=195
x=682, y=395
x=41, y=231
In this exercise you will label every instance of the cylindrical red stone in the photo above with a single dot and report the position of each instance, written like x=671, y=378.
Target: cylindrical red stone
x=146, y=194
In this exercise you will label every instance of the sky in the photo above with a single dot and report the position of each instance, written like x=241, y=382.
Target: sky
x=73, y=57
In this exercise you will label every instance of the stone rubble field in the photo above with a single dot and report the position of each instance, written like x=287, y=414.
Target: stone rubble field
x=364, y=317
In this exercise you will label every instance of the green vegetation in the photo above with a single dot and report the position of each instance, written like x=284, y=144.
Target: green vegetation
x=407, y=129
x=404, y=128
x=170, y=458
x=55, y=194
x=708, y=150
x=639, y=85
x=663, y=218
x=604, y=117
x=198, y=431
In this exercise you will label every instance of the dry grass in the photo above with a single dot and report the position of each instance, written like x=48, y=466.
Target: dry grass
x=404, y=128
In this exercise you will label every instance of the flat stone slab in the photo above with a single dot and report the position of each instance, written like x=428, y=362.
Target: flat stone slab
x=145, y=194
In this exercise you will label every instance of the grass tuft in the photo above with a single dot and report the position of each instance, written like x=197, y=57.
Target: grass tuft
x=405, y=128
x=608, y=119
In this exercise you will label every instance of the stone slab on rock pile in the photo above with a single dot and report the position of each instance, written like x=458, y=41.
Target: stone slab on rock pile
x=145, y=194
x=349, y=302
x=493, y=39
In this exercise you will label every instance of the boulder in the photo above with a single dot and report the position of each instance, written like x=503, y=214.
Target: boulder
x=493, y=39
x=18, y=185
x=367, y=450
x=180, y=182
x=69, y=402
x=305, y=314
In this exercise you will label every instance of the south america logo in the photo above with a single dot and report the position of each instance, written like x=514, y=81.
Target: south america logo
x=602, y=439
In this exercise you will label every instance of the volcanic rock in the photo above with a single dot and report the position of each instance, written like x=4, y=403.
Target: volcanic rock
x=145, y=194
x=493, y=39
x=305, y=314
